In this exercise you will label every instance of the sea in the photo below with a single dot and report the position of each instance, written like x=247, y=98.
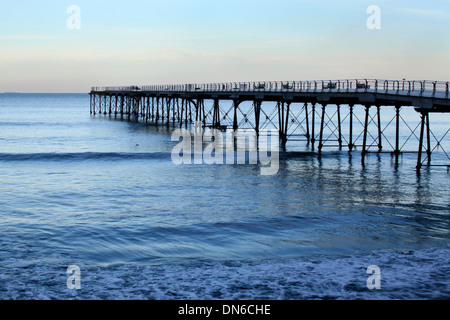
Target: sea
x=93, y=207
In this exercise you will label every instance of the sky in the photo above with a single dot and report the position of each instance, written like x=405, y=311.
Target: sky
x=44, y=47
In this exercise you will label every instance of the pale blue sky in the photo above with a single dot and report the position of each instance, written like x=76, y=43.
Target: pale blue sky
x=180, y=41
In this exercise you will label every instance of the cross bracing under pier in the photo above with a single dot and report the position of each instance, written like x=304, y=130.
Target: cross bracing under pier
x=370, y=115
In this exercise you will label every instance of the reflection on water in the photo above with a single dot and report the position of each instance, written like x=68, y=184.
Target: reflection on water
x=104, y=193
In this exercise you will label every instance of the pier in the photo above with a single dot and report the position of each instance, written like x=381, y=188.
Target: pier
x=344, y=114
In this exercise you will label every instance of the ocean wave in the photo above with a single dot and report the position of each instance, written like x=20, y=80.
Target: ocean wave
x=404, y=275
x=80, y=156
x=83, y=156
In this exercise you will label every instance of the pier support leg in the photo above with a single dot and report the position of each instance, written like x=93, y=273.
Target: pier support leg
x=122, y=103
x=339, y=126
x=93, y=106
x=216, y=114
x=322, y=122
x=100, y=104
x=350, y=134
x=313, y=125
x=128, y=107
x=175, y=111
x=137, y=106
x=283, y=121
x=280, y=121
x=397, y=134
x=257, y=109
x=157, y=110
x=308, y=136
x=116, y=98
x=202, y=103
x=235, y=106
x=147, y=115
x=182, y=111
x=366, y=127
x=163, y=110
x=380, y=145
x=168, y=105
x=190, y=111
x=198, y=111
x=428, y=137
x=288, y=106
x=419, y=154
x=153, y=108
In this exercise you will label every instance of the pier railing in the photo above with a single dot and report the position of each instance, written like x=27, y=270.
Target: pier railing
x=420, y=88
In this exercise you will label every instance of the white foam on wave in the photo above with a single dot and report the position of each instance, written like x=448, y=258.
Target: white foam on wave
x=404, y=275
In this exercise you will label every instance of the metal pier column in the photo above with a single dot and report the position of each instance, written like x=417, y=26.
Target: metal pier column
x=313, y=125
x=397, y=133
x=380, y=146
x=350, y=139
x=339, y=126
x=322, y=122
x=308, y=136
x=257, y=108
x=366, y=127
